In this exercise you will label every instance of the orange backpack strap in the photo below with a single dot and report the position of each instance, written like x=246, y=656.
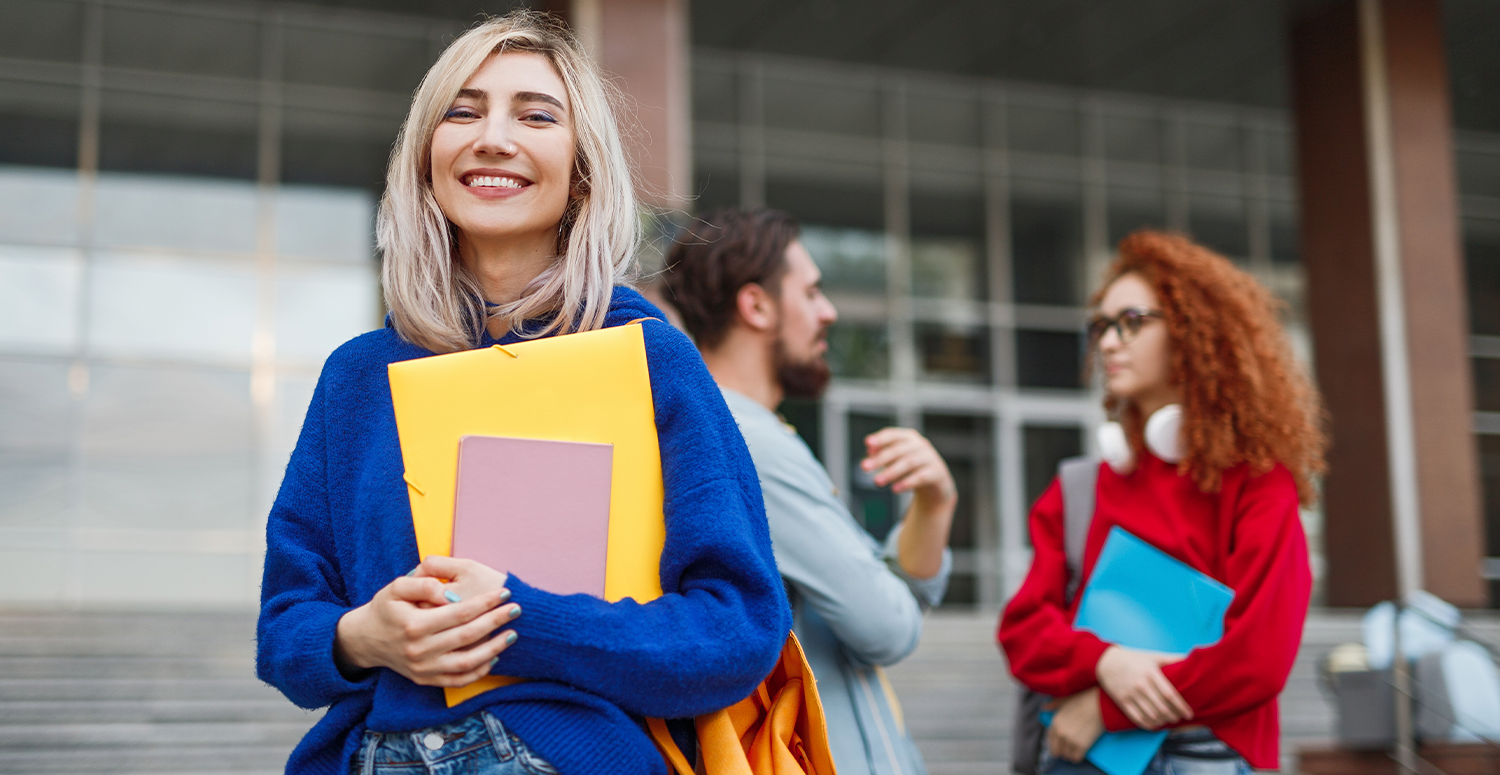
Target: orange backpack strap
x=668, y=747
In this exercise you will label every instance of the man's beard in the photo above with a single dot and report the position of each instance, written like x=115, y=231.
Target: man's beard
x=800, y=379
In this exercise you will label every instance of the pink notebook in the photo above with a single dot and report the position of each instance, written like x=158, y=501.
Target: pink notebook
x=535, y=508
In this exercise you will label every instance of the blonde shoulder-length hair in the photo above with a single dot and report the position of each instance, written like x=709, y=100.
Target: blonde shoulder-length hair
x=434, y=301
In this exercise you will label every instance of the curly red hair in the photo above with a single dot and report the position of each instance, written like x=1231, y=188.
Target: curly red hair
x=1245, y=397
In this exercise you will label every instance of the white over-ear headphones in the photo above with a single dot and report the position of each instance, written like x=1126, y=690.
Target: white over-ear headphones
x=1163, y=438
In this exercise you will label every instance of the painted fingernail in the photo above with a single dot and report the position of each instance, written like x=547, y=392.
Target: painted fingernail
x=510, y=637
x=496, y=660
x=515, y=611
x=413, y=571
x=451, y=595
x=504, y=596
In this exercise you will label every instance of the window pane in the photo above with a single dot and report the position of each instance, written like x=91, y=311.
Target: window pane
x=1046, y=230
x=338, y=148
x=171, y=308
x=1285, y=239
x=35, y=417
x=715, y=189
x=1482, y=265
x=807, y=417
x=1487, y=384
x=822, y=107
x=1280, y=153
x=850, y=259
x=1134, y=208
x=1478, y=173
x=947, y=246
x=967, y=445
x=1132, y=138
x=1046, y=446
x=42, y=29
x=318, y=309
x=1042, y=129
x=39, y=124
x=954, y=353
x=829, y=204
x=175, y=213
x=1049, y=359
x=715, y=97
x=859, y=350
x=38, y=205
x=182, y=43
x=156, y=133
x=1213, y=147
x=1489, y=469
x=324, y=223
x=933, y=118
x=873, y=507
x=357, y=60
x=168, y=449
x=1219, y=223
x=39, y=298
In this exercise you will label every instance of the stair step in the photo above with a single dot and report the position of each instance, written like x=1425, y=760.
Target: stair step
x=96, y=711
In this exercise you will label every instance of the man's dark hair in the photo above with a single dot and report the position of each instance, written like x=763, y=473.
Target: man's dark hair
x=716, y=256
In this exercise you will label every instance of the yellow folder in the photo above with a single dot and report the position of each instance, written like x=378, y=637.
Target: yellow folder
x=591, y=387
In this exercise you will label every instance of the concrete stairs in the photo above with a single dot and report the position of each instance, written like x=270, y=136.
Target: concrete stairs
x=139, y=693
x=175, y=692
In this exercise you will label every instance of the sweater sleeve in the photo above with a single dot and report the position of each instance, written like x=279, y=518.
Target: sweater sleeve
x=1046, y=654
x=302, y=595
x=1267, y=567
x=718, y=629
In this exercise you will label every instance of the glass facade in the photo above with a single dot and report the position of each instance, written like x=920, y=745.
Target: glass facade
x=1479, y=190
x=960, y=225
x=187, y=196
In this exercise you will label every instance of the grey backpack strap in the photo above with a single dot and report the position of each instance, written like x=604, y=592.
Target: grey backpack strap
x=1080, y=479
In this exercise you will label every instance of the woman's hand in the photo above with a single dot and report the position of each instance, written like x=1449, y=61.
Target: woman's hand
x=1133, y=679
x=1076, y=724
x=432, y=633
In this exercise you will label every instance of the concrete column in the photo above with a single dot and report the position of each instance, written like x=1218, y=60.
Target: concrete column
x=1380, y=236
x=643, y=44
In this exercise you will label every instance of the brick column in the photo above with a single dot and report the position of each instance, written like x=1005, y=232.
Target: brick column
x=1380, y=237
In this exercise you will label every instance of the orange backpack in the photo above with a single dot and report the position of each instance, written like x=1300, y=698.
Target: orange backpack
x=778, y=730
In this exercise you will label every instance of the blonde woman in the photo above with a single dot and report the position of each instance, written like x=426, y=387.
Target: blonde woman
x=508, y=214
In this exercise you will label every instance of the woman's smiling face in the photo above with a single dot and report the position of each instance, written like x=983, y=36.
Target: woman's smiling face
x=502, y=156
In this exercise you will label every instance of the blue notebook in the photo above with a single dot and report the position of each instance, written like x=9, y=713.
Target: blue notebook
x=1142, y=598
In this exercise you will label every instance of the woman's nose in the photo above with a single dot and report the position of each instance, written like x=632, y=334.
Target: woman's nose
x=495, y=139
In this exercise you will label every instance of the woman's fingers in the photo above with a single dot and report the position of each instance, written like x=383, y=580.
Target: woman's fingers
x=477, y=630
x=1176, y=707
x=461, y=668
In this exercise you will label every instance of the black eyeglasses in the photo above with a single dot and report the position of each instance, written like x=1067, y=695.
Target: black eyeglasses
x=1127, y=324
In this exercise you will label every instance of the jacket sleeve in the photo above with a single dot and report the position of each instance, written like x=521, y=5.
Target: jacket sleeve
x=719, y=628
x=302, y=594
x=1046, y=654
x=1267, y=567
x=837, y=569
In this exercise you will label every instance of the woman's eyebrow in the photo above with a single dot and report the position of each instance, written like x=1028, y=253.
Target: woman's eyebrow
x=536, y=96
x=473, y=94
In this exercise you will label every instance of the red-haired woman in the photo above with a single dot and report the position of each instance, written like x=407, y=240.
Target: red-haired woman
x=1216, y=444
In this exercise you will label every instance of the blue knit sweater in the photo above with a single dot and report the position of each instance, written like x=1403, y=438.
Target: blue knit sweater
x=341, y=529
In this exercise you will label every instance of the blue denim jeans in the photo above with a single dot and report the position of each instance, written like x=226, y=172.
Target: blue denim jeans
x=474, y=745
x=1188, y=752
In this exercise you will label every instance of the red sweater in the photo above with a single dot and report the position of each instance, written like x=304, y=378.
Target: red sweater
x=1248, y=536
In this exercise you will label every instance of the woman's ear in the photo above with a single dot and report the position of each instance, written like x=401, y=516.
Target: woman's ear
x=754, y=308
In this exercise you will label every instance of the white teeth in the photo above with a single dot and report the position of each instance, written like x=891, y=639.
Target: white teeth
x=494, y=182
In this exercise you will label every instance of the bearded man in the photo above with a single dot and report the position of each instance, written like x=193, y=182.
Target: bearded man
x=749, y=294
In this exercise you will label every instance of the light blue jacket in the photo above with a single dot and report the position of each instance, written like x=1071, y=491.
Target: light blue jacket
x=854, y=608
